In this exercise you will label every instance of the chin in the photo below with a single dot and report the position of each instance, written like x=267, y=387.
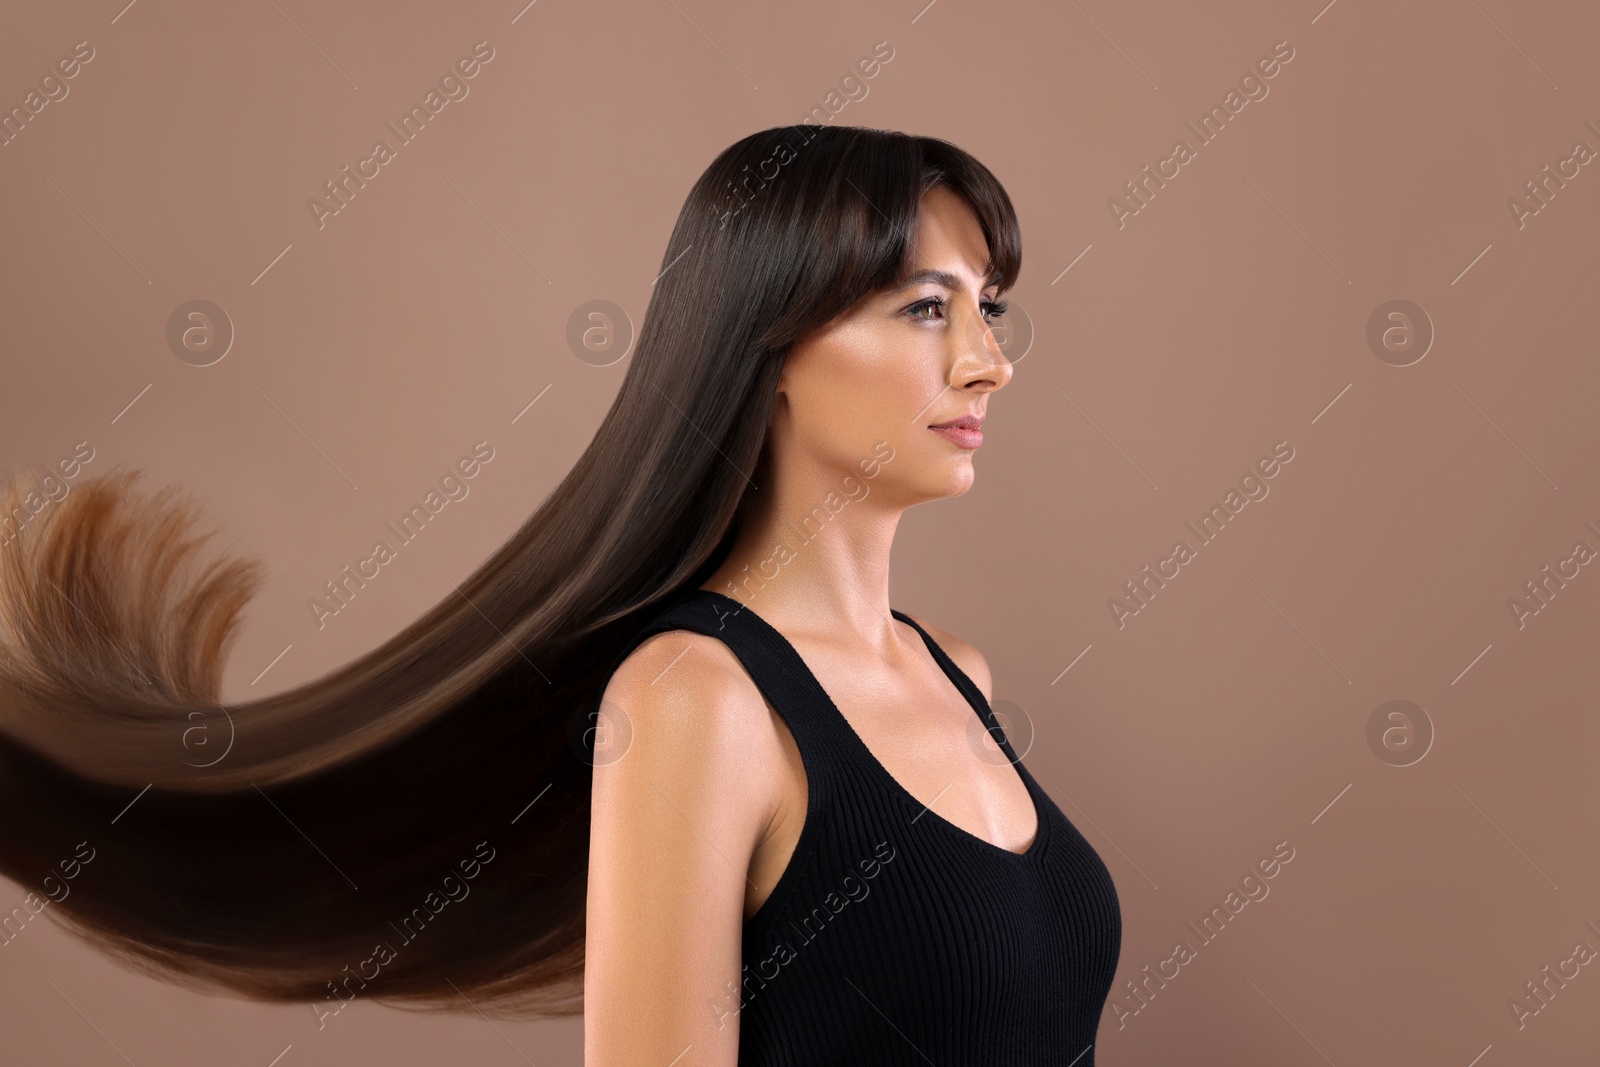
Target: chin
x=956, y=482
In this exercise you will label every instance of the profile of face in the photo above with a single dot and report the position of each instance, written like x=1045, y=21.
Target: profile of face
x=897, y=363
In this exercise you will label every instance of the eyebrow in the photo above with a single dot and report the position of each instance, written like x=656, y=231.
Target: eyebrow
x=941, y=277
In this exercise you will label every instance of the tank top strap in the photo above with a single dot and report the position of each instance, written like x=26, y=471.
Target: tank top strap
x=964, y=685
x=821, y=734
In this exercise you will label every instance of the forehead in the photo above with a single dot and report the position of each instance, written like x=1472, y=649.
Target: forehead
x=949, y=238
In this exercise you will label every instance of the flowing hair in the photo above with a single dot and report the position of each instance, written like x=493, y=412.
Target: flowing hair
x=417, y=821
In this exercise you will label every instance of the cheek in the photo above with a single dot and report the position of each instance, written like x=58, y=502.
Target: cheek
x=860, y=386
x=895, y=381
x=893, y=404
x=848, y=421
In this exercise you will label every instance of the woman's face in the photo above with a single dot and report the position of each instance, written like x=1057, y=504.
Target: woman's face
x=899, y=362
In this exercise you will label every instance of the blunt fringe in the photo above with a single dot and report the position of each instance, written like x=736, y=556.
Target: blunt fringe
x=431, y=797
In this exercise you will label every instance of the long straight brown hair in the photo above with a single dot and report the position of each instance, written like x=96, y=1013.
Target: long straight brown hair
x=413, y=827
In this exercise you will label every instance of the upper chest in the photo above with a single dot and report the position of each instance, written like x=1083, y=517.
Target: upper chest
x=916, y=728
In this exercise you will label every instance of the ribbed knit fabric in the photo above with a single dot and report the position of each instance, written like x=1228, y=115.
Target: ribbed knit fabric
x=894, y=936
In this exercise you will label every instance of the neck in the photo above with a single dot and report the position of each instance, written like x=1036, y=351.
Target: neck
x=812, y=557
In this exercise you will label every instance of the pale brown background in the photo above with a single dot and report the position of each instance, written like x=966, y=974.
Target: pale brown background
x=1228, y=315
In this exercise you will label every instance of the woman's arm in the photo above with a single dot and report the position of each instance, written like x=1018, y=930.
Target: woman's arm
x=675, y=820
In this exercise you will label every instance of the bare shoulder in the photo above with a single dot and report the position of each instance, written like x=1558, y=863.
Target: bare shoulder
x=963, y=653
x=682, y=661
x=684, y=692
x=685, y=712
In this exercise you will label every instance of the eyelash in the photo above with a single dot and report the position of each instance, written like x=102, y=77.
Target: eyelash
x=1000, y=307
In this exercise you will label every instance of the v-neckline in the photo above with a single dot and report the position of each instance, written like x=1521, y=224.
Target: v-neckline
x=985, y=716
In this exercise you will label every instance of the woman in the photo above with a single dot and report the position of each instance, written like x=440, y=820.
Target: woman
x=669, y=757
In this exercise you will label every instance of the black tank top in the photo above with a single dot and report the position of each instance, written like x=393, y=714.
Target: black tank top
x=894, y=936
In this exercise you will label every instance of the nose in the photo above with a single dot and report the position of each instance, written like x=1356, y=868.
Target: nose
x=978, y=356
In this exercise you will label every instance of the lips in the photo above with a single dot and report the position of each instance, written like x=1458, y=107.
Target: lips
x=965, y=432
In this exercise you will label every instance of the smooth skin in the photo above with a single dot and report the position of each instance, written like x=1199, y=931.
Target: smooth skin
x=694, y=822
